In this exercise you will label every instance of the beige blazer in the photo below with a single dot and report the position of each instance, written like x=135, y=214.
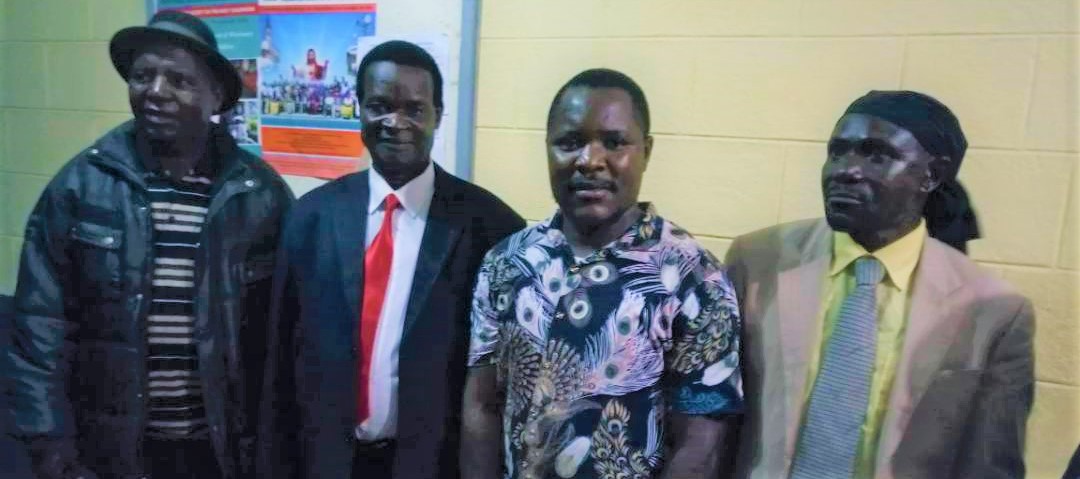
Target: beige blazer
x=964, y=383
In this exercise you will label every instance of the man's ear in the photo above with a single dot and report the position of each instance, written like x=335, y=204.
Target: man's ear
x=936, y=172
x=648, y=148
x=438, y=117
x=219, y=98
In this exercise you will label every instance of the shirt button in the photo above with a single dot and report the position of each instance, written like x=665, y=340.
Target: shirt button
x=139, y=296
x=109, y=240
x=249, y=183
x=93, y=151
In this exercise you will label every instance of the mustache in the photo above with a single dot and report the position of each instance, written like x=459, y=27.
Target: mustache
x=590, y=184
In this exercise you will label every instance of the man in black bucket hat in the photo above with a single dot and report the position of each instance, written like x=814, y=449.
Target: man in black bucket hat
x=138, y=335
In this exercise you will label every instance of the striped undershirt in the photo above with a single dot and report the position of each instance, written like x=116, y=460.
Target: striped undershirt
x=176, y=404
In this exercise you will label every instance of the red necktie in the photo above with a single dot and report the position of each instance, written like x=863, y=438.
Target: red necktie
x=377, y=261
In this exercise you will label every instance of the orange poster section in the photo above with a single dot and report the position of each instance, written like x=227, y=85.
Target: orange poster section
x=324, y=154
x=325, y=168
x=317, y=8
x=341, y=143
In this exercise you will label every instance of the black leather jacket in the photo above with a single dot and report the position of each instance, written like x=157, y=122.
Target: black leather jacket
x=76, y=370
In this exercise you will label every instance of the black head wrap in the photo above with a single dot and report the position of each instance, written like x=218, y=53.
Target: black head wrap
x=948, y=212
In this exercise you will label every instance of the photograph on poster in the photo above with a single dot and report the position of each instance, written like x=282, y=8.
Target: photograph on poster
x=249, y=76
x=308, y=64
x=243, y=121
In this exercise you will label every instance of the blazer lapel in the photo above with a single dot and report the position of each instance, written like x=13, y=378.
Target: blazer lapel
x=440, y=235
x=799, y=304
x=931, y=329
x=350, y=231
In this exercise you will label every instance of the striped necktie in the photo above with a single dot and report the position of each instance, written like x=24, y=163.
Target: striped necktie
x=837, y=410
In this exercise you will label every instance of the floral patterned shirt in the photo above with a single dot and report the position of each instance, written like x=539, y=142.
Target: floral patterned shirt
x=577, y=345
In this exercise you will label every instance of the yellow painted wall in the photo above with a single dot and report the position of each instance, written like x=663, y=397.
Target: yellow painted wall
x=743, y=94
x=58, y=93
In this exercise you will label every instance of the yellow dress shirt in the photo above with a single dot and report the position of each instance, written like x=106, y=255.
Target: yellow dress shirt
x=893, y=297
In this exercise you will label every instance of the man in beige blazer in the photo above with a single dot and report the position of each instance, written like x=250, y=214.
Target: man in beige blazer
x=950, y=379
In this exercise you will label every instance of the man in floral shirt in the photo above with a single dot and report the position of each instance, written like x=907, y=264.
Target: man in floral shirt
x=606, y=329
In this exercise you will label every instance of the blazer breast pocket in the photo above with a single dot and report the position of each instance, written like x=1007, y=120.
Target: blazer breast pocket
x=96, y=250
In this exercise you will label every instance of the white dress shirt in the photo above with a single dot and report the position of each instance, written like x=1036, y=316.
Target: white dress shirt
x=409, y=222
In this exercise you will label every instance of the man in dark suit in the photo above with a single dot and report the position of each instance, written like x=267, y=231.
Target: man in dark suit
x=372, y=295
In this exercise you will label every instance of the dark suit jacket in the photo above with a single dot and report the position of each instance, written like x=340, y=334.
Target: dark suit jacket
x=308, y=415
x=964, y=383
x=1073, y=471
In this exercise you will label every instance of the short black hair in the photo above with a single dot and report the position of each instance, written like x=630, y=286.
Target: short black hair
x=401, y=53
x=608, y=78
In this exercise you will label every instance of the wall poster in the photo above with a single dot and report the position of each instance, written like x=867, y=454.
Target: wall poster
x=298, y=62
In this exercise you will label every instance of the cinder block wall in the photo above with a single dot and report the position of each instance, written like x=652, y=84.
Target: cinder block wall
x=745, y=92
x=58, y=92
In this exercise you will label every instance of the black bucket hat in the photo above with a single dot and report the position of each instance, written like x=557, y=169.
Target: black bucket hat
x=184, y=30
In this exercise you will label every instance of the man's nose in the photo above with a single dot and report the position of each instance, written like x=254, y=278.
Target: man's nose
x=849, y=167
x=158, y=85
x=393, y=120
x=592, y=155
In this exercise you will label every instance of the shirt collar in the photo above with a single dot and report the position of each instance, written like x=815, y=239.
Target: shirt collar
x=209, y=166
x=415, y=196
x=648, y=228
x=899, y=257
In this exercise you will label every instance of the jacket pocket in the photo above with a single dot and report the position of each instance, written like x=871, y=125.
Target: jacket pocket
x=97, y=253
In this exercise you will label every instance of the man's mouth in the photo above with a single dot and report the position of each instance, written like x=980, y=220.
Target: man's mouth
x=394, y=141
x=397, y=146
x=586, y=190
x=844, y=200
x=158, y=117
x=841, y=196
